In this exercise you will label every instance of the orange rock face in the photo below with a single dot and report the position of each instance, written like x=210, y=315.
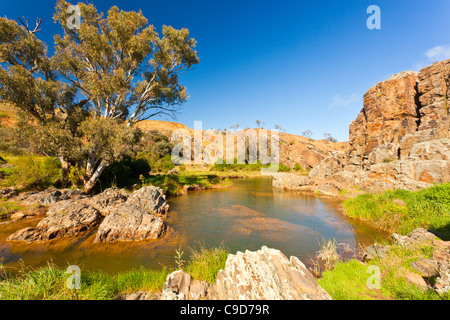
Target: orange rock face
x=401, y=138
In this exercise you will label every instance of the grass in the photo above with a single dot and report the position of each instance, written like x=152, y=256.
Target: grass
x=7, y=208
x=173, y=184
x=428, y=208
x=348, y=280
x=206, y=263
x=50, y=282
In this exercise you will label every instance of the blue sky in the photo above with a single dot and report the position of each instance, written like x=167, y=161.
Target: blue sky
x=303, y=65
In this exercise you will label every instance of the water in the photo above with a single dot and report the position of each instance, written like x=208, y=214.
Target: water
x=245, y=216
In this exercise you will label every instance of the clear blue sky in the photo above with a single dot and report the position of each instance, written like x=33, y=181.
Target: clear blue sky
x=299, y=64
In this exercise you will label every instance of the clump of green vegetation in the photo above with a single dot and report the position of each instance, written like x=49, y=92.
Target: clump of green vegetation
x=173, y=184
x=428, y=208
x=206, y=263
x=298, y=167
x=246, y=167
x=30, y=172
x=7, y=208
x=50, y=282
x=348, y=280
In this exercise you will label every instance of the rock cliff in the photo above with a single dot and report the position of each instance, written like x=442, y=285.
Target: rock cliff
x=401, y=138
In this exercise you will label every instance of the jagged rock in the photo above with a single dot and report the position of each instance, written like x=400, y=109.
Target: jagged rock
x=330, y=188
x=50, y=196
x=138, y=295
x=415, y=279
x=8, y=192
x=266, y=274
x=400, y=139
x=75, y=219
x=130, y=222
x=150, y=198
x=109, y=199
x=442, y=285
x=180, y=286
x=376, y=251
x=426, y=267
x=441, y=257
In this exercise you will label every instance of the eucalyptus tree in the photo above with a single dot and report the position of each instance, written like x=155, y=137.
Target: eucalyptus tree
x=107, y=73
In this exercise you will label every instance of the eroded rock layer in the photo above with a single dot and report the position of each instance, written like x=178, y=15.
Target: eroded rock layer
x=400, y=139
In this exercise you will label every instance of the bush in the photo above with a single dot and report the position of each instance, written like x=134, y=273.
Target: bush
x=32, y=172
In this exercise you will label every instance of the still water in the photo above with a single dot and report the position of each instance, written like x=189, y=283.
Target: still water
x=247, y=215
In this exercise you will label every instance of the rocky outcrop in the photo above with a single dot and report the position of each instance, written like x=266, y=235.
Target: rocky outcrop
x=436, y=267
x=50, y=196
x=72, y=220
x=283, y=180
x=108, y=200
x=150, y=198
x=401, y=137
x=265, y=274
x=130, y=223
x=129, y=217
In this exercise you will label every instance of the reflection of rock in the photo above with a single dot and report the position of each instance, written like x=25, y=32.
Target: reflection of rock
x=130, y=222
x=75, y=219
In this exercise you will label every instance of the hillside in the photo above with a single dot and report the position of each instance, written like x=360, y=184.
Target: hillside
x=294, y=149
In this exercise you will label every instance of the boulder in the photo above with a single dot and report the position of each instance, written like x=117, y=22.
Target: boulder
x=426, y=267
x=150, y=198
x=283, y=180
x=266, y=274
x=109, y=199
x=376, y=251
x=128, y=223
x=442, y=285
x=180, y=286
x=73, y=220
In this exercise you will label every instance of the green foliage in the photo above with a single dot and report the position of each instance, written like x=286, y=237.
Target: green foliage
x=125, y=173
x=206, y=263
x=428, y=208
x=8, y=207
x=31, y=172
x=298, y=167
x=283, y=168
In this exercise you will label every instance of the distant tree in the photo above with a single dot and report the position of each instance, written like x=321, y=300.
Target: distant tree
x=307, y=133
x=329, y=137
x=258, y=123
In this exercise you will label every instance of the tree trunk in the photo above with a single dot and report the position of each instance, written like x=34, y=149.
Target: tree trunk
x=65, y=165
x=88, y=185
